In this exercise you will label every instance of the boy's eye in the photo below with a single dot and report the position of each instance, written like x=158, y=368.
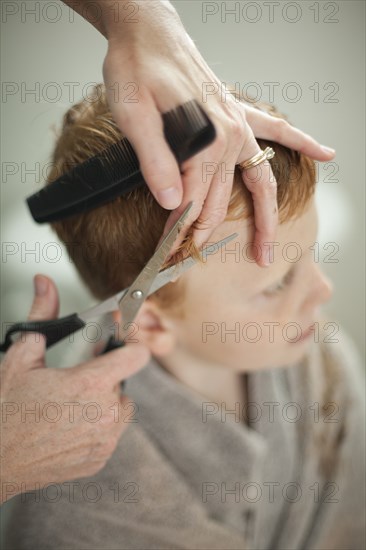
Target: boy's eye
x=278, y=287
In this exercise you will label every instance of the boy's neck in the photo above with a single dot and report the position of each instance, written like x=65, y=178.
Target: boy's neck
x=210, y=381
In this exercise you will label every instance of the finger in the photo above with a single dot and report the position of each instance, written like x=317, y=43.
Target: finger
x=263, y=186
x=266, y=126
x=198, y=175
x=117, y=365
x=216, y=204
x=143, y=126
x=195, y=192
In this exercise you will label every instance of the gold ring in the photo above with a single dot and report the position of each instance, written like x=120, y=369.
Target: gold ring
x=260, y=157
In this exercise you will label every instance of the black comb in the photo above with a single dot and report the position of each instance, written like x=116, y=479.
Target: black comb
x=116, y=170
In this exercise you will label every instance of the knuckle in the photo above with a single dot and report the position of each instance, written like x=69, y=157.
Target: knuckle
x=220, y=140
x=271, y=188
x=211, y=219
x=95, y=467
x=281, y=128
x=125, y=401
x=263, y=182
x=105, y=449
x=108, y=417
x=109, y=447
x=98, y=383
x=268, y=190
x=87, y=381
x=219, y=215
x=237, y=130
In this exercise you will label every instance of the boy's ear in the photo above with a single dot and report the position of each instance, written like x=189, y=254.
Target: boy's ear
x=151, y=328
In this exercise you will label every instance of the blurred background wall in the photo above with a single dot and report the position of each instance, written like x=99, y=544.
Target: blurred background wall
x=306, y=57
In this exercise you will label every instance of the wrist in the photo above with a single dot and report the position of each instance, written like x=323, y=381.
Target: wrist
x=123, y=18
x=118, y=16
x=102, y=14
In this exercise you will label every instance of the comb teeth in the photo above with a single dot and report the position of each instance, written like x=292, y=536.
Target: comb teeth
x=116, y=170
x=185, y=128
x=117, y=155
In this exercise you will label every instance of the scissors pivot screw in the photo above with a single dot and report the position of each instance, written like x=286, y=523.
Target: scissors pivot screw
x=137, y=294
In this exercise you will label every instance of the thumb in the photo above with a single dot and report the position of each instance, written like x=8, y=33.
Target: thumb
x=45, y=306
x=28, y=351
x=45, y=302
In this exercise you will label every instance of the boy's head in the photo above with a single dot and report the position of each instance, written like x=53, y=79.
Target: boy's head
x=227, y=310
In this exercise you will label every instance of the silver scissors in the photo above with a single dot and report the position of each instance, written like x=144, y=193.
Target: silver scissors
x=128, y=301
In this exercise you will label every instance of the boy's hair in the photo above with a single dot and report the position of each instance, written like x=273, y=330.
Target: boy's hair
x=111, y=244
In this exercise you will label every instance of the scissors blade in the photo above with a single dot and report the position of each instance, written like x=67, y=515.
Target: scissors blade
x=163, y=278
x=132, y=300
x=176, y=270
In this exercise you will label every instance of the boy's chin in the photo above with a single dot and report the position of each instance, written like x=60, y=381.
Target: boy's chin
x=293, y=355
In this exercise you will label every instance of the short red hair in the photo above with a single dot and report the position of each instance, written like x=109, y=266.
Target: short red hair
x=111, y=244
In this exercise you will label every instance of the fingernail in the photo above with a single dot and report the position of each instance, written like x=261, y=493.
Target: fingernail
x=40, y=285
x=328, y=150
x=169, y=198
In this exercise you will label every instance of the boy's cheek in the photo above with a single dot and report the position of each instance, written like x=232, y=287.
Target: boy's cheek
x=244, y=346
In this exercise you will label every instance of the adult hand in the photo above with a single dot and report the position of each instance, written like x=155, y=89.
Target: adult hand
x=150, y=54
x=60, y=424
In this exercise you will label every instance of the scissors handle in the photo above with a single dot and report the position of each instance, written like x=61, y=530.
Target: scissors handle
x=54, y=330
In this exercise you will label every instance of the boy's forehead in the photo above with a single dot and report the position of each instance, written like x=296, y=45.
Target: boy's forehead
x=293, y=238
